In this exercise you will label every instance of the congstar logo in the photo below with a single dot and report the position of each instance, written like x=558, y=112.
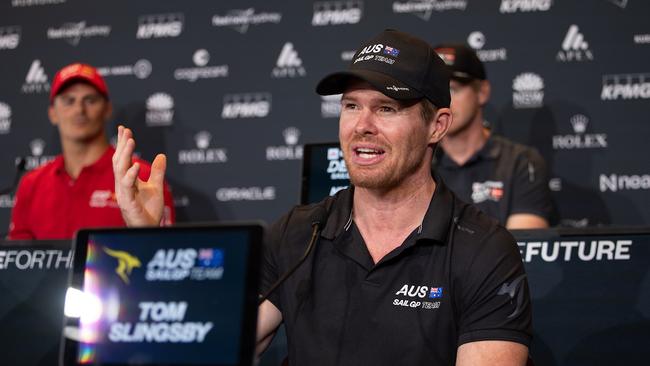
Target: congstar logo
x=125, y=263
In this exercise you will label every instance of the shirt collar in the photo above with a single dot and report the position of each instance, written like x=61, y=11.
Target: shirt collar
x=103, y=162
x=434, y=226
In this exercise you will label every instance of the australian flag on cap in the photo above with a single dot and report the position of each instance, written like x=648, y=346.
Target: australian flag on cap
x=435, y=293
x=391, y=51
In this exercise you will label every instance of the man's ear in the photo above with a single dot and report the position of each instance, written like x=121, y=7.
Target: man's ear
x=440, y=125
x=51, y=114
x=484, y=91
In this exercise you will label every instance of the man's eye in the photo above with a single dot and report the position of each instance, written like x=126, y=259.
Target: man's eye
x=386, y=108
x=350, y=106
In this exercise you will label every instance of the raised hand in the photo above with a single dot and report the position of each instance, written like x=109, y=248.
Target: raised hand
x=141, y=202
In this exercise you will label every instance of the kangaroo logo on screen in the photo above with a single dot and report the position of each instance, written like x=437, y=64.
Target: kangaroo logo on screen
x=181, y=264
x=126, y=263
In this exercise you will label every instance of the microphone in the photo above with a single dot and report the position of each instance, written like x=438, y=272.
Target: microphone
x=20, y=170
x=318, y=221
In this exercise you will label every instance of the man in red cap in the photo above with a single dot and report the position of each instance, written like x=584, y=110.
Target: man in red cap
x=76, y=189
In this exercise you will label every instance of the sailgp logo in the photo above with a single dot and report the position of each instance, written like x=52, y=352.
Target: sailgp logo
x=126, y=263
x=413, y=296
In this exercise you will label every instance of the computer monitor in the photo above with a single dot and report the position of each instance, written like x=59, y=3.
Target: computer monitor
x=163, y=296
x=323, y=172
x=33, y=282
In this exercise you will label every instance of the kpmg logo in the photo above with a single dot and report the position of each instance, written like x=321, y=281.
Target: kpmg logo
x=423, y=8
x=141, y=70
x=201, y=58
x=188, y=263
x=524, y=6
x=477, y=41
x=160, y=26
x=73, y=32
x=5, y=118
x=246, y=194
x=9, y=37
x=25, y=3
x=160, y=110
x=626, y=87
x=203, y=154
x=241, y=19
x=247, y=105
x=336, y=167
x=126, y=263
x=330, y=106
x=36, y=79
x=528, y=91
x=621, y=182
x=579, y=139
x=574, y=251
x=36, y=159
x=288, y=65
x=290, y=151
x=337, y=12
x=574, y=47
x=487, y=191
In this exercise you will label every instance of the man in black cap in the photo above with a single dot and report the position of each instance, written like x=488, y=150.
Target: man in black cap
x=506, y=180
x=402, y=272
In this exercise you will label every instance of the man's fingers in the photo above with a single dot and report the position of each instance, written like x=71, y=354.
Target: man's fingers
x=158, y=167
x=119, y=145
x=127, y=182
x=125, y=159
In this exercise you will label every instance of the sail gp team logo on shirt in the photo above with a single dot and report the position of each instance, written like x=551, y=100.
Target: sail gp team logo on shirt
x=418, y=297
x=487, y=191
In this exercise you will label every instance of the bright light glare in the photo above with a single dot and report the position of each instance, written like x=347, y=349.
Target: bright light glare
x=79, y=304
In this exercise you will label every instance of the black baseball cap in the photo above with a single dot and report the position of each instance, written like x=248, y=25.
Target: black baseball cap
x=398, y=65
x=463, y=63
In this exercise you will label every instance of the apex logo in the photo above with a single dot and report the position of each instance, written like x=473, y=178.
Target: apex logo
x=160, y=110
x=337, y=12
x=513, y=6
x=36, y=79
x=5, y=118
x=9, y=37
x=288, y=64
x=579, y=140
x=574, y=47
x=160, y=26
x=125, y=263
x=248, y=105
x=625, y=86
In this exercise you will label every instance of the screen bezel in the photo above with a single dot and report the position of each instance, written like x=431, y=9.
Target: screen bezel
x=308, y=150
x=70, y=348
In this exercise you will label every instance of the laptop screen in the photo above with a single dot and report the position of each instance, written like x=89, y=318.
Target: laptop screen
x=323, y=172
x=164, y=296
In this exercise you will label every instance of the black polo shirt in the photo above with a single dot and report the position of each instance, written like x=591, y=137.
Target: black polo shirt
x=439, y=289
x=501, y=179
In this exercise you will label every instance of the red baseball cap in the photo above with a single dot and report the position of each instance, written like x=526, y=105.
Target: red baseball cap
x=78, y=72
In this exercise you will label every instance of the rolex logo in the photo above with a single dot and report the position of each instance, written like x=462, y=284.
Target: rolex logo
x=291, y=135
x=579, y=123
x=202, y=139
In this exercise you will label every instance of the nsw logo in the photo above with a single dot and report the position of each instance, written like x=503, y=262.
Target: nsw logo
x=528, y=91
x=160, y=110
x=5, y=118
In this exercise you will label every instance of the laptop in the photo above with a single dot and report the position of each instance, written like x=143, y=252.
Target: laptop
x=323, y=172
x=183, y=295
x=33, y=282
